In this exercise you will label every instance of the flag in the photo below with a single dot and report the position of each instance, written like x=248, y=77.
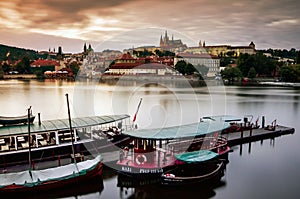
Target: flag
x=137, y=110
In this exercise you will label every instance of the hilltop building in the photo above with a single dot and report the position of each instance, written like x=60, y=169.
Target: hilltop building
x=224, y=50
x=210, y=61
x=171, y=44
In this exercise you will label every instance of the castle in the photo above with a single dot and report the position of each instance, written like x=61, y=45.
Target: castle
x=171, y=44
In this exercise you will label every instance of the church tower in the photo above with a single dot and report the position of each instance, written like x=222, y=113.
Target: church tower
x=84, y=48
x=252, y=45
x=200, y=43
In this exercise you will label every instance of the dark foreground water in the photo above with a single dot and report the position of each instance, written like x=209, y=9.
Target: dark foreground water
x=267, y=169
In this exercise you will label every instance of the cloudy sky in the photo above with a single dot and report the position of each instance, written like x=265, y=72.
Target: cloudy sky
x=118, y=24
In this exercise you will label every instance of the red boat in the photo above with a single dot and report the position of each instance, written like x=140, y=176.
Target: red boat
x=153, y=151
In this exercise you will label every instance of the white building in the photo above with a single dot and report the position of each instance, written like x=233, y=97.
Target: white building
x=210, y=61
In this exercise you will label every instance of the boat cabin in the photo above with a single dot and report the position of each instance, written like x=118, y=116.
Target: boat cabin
x=154, y=149
x=55, y=136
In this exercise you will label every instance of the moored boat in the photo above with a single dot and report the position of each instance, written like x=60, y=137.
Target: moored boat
x=31, y=180
x=153, y=151
x=50, y=178
x=16, y=120
x=200, y=166
x=52, y=139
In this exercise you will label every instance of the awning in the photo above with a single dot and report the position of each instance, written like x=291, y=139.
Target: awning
x=189, y=130
x=60, y=124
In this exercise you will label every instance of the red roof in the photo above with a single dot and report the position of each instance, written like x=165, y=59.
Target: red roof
x=44, y=62
x=125, y=56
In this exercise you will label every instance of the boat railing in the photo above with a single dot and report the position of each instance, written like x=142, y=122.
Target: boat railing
x=205, y=143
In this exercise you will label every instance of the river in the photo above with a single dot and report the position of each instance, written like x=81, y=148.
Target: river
x=263, y=169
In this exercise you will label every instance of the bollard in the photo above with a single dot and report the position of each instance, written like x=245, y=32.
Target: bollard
x=263, y=122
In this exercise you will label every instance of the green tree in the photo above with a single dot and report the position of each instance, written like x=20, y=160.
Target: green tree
x=288, y=74
x=180, y=66
x=74, y=67
x=263, y=65
x=298, y=57
x=231, y=73
x=23, y=66
x=185, y=68
x=5, y=67
x=252, y=73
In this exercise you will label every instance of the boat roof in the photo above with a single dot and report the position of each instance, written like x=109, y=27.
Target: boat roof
x=196, y=156
x=203, y=127
x=60, y=124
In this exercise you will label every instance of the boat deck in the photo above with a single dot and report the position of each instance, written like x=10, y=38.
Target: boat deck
x=235, y=138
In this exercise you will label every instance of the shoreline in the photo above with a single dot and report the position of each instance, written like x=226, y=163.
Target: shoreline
x=148, y=78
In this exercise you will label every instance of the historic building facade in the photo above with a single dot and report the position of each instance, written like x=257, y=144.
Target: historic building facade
x=171, y=44
x=210, y=61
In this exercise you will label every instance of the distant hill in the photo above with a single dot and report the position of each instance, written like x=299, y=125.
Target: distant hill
x=15, y=53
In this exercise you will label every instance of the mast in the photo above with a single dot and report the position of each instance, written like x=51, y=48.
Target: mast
x=71, y=130
x=29, y=146
x=137, y=110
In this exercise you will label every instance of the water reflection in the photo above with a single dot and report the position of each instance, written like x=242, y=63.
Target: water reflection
x=92, y=187
x=259, y=172
x=141, y=188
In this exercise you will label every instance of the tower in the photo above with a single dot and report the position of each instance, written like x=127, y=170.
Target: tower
x=252, y=45
x=84, y=48
x=200, y=43
x=59, y=50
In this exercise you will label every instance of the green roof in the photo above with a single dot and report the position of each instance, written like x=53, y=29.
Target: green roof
x=60, y=124
x=196, y=156
x=189, y=130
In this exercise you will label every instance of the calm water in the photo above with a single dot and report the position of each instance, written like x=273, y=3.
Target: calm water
x=260, y=170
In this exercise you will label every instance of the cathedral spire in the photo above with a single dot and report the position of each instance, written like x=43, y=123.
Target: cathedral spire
x=84, y=48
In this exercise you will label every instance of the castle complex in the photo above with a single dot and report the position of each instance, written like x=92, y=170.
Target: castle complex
x=171, y=44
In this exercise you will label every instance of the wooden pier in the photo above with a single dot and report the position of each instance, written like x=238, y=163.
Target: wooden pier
x=236, y=138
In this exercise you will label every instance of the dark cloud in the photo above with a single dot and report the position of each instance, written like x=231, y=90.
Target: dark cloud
x=217, y=22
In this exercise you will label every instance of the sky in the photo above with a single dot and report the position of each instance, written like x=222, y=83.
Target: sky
x=119, y=24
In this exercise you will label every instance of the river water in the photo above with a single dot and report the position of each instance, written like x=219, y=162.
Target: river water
x=263, y=169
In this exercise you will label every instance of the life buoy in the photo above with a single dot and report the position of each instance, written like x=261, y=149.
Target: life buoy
x=169, y=175
x=140, y=159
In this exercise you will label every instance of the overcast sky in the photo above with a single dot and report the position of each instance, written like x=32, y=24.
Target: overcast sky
x=118, y=24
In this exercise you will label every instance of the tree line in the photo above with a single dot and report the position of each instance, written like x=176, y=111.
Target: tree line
x=259, y=65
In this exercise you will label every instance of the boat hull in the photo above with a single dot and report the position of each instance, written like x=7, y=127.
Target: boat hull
x=54, y=184
x=185, y=175
x=16, y=120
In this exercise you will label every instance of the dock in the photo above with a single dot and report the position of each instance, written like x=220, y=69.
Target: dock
x=236, y=138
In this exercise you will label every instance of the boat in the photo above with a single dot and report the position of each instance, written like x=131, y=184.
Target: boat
x=152, y=151
x=51, y=178
x=51, y=139
x=16, y=120
x=200, y=166
x=31, y=180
